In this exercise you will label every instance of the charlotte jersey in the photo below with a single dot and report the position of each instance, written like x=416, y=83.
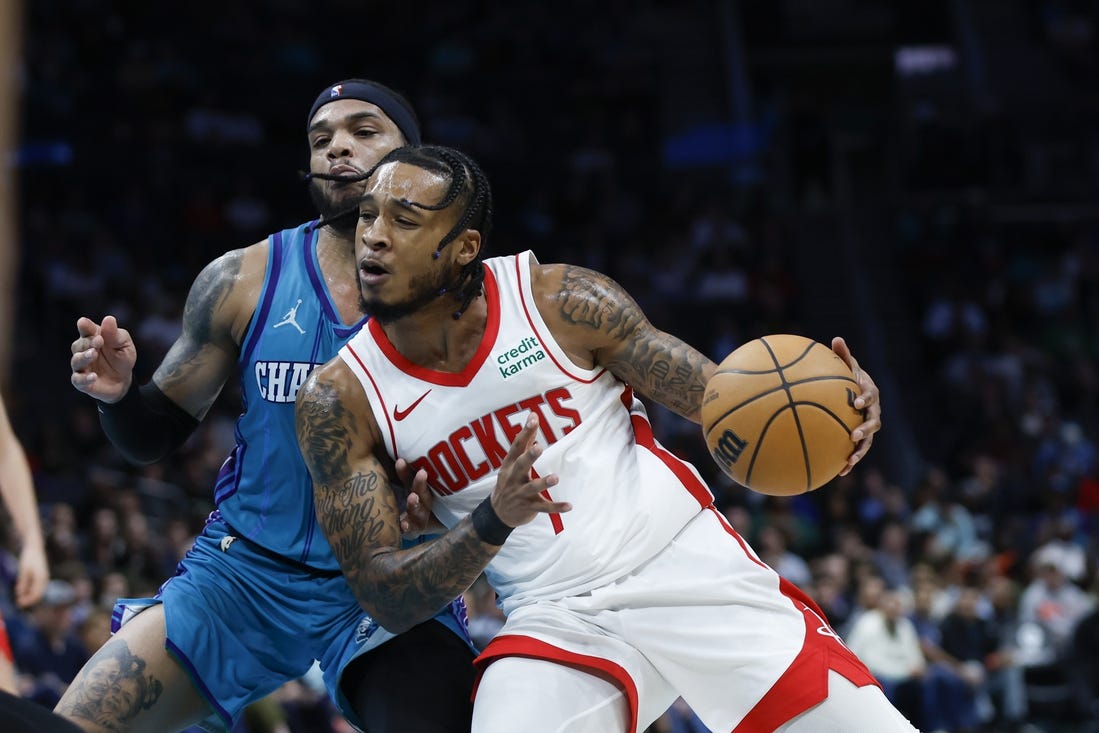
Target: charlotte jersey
x=630, y=496
x=263, y=489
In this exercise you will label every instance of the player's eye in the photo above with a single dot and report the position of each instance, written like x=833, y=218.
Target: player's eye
x=319, y=143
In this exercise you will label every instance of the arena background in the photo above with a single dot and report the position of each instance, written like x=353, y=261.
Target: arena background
x=919, y=177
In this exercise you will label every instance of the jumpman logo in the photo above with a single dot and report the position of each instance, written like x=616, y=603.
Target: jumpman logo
x=291, y=318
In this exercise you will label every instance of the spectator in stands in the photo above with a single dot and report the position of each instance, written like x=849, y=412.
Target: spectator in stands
x=971, y=643
x=887, y=643
x=1006, y=683
x=48, y=651
x=774, y=550
x=945, y=520
x=870, y=589
x=891, y=558
x=1052, y=601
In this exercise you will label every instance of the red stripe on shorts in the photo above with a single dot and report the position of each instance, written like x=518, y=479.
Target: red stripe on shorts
x=805, y=682
x=514, y=645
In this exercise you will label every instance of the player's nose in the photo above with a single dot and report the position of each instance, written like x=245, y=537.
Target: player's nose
x=373, y=235
x=340, y=146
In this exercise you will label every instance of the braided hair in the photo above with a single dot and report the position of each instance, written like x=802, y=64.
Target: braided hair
x=468, y=185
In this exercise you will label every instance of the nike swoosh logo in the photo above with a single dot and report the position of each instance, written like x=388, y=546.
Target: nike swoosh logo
x=399, y=414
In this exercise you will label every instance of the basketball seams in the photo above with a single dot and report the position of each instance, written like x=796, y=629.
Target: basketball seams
x=754, y=441
x=774, y=358
x=785, y=386
x=805, y=462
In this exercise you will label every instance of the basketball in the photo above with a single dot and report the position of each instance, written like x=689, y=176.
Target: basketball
x=778, y=413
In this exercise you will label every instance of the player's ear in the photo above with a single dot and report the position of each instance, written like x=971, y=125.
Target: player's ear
x=469, y=246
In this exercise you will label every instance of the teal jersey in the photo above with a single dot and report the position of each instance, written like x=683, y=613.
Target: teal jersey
x=263, y=489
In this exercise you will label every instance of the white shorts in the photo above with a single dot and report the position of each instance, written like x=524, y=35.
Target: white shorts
x=705, y=619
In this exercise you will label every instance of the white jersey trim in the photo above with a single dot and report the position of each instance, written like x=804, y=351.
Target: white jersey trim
x=542, y=331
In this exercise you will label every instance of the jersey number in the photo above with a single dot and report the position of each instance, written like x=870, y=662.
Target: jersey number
x=555, y=518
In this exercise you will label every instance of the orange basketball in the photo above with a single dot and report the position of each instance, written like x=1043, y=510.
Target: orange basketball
x=778, y=414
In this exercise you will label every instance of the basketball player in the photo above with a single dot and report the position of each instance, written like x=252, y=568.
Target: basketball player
x=17, y=488
x=508, y=386
x=260, y=595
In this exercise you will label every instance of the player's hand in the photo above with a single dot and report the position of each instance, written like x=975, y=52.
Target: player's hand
x=416, y=519
x=34, y=573
x=519, y=497
x=103, y=358
x=868, y=402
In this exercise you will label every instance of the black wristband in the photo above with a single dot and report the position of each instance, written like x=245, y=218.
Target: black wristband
x=145, y=425
x=130, y=401
x=488, y=525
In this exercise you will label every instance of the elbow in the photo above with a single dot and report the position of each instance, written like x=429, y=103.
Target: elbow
x=395, y=623
x=142, y=459
x=143, y=455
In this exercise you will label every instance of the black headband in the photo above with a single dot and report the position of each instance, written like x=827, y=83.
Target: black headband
x=368, y=91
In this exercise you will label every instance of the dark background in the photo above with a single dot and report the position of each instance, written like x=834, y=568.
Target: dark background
x=919, y=177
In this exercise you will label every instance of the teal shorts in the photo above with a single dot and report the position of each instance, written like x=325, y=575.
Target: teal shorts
x=242, y=622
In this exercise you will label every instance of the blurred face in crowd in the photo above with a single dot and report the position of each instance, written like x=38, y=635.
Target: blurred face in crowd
x=967, y=604
x=347, y=138
x=54, y=619
x=923, y=598
x=1051, y=575
x=870, y=591
x=892, y=606
x=1002, y=592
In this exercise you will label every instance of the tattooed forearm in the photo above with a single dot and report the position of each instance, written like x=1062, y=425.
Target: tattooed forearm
x=399, y=588
x=667, y=370
x=112, y=688
x=357, y=509
x=354, y=516
x=659, y=365
x=402, y=589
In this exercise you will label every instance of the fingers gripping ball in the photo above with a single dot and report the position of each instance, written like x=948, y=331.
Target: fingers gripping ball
x=778, y=414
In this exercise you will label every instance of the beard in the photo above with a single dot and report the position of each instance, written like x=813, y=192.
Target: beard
x=422, y=291
x=337, y=203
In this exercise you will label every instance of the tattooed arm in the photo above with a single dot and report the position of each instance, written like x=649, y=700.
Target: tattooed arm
x=147, y=423
x=597, y=322
x=217, y=312
x=216, y=315
x=358, y=510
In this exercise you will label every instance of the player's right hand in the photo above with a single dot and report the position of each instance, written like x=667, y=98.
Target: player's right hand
x=103, y=358
x=518, y=497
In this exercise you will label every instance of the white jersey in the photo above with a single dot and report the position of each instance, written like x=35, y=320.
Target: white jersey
x=630, y=496
x=643, y=583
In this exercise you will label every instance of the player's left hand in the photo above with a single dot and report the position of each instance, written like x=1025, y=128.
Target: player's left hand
x=30, y=582
x=868, y=402
x=416, y=519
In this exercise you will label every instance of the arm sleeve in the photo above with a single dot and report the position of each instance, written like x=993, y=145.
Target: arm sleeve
x=145, y=425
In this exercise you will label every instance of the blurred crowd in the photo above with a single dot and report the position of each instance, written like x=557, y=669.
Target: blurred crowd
x=969, y=586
